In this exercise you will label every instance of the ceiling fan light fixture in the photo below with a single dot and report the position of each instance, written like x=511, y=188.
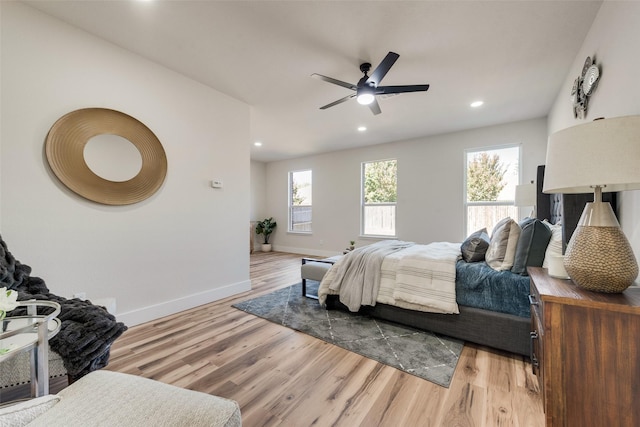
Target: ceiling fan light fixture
x=369, y=85
x=366, y=98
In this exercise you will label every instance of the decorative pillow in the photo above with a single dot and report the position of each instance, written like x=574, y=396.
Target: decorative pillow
x=502, y=247
x=475, y=246
x=21, y=414
x=532, y=245
x=555, y=243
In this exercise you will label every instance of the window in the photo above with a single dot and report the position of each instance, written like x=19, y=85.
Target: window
x=379, y=194
x=491, y=176
x=300, y=201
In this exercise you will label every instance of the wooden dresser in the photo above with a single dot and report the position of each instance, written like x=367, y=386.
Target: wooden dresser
x=586, y=353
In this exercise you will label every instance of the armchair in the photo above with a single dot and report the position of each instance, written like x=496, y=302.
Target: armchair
x=86, y=334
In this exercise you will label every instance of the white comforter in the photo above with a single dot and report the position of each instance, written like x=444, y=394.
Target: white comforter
x=419, y=277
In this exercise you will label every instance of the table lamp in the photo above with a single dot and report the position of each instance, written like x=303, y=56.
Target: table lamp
x=592, y=157
x=526, y=196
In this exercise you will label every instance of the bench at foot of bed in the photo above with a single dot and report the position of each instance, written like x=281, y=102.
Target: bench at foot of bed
x=315, y=269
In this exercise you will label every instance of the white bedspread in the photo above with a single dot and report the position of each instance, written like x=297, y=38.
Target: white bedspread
x=426, y=276
x=420, y=277
x=356, y=276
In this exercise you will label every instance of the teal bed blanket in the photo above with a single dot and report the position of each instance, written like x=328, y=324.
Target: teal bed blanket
x=480, y=286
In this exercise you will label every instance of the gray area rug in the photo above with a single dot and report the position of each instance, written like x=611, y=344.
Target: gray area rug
x=423, y=354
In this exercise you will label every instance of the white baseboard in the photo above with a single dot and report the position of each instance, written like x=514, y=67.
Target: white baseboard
x=156, y=311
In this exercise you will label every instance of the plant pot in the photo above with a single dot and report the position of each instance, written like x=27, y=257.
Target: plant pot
x=266, y=247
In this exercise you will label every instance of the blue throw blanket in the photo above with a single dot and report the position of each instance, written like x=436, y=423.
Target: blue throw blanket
x=87, y=331
x=480, y=286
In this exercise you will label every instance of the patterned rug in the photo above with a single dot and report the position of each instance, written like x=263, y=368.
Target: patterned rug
x=423, y=354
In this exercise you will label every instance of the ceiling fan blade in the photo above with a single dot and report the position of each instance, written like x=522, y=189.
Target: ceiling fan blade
x=375, y=107
x=382, y=69
x=339, y=101
x=335, y=81
x=380, y=90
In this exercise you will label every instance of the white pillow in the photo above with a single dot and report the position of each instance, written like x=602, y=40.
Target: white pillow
x=502, y=247
x=21, y=414
x=555, y=243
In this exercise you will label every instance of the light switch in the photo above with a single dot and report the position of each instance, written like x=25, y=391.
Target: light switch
x=216, y=184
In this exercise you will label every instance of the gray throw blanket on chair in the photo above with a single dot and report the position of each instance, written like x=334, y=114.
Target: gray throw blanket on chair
x=357, y=274
x=87, y=331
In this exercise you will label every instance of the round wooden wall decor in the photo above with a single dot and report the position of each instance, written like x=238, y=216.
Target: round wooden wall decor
x=65, y=145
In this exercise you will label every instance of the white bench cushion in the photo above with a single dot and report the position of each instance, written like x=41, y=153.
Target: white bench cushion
x=114, y=399
x=314, y=270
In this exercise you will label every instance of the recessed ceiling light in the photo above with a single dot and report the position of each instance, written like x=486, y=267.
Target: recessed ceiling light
x=362, y=128
x=477, y=104
x=258, y=144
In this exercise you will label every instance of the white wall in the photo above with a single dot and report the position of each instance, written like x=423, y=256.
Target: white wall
x=1, y=127
x=258, y=203
x=258, y=191
x=430, y=186
x=614, y=42
x=184, y=246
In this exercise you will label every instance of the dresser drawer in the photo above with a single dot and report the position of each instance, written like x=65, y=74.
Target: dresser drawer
x=537, y=335
x=536, y=344
x=586, y=346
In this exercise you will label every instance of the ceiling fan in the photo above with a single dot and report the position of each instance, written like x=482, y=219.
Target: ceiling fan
x=367, y=87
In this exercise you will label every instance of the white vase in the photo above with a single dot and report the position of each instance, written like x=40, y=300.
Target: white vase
x=266, y=247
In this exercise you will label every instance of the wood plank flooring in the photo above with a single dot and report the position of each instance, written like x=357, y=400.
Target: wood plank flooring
x=284, y=378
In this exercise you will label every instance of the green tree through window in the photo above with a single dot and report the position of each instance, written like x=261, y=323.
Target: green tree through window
x=379, y=196
x=300, y=204
x=380, y=182
x=485, y=177
x=296, y=193
x=491, y=176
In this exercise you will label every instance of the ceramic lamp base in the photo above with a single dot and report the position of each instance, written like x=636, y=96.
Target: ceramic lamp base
x=600, y=259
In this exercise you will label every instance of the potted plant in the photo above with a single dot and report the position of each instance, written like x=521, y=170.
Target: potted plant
x=352, y=246
x=266, y=227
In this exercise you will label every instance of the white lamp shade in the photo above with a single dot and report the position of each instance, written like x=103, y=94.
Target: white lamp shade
x=525, y=195
x=604, y=152
x=603, y=155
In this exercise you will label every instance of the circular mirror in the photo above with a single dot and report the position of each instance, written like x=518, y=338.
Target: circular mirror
x=65, y=151
x=112, y=157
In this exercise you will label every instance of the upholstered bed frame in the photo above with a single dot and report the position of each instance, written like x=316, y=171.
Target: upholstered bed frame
x=565, y=208
x=497, y=330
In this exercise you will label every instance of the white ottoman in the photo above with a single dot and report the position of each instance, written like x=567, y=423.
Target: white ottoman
x=109, y=399
x=315, y=269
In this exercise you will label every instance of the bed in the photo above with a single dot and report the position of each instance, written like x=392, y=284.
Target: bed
x=479, y=316
x=492, y=306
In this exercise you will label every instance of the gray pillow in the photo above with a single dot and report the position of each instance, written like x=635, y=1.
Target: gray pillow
x=503, y=244
x=475, y=246
x=532, y=245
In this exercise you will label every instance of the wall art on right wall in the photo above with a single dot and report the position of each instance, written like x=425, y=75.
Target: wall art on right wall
x=583, y=87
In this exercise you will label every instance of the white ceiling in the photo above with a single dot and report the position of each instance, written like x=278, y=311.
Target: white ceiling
x=514, y=55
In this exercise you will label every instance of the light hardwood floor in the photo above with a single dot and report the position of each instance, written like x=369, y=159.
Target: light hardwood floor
x=285, y=378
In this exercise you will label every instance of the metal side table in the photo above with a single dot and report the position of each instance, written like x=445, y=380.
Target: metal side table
x=31, y=333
